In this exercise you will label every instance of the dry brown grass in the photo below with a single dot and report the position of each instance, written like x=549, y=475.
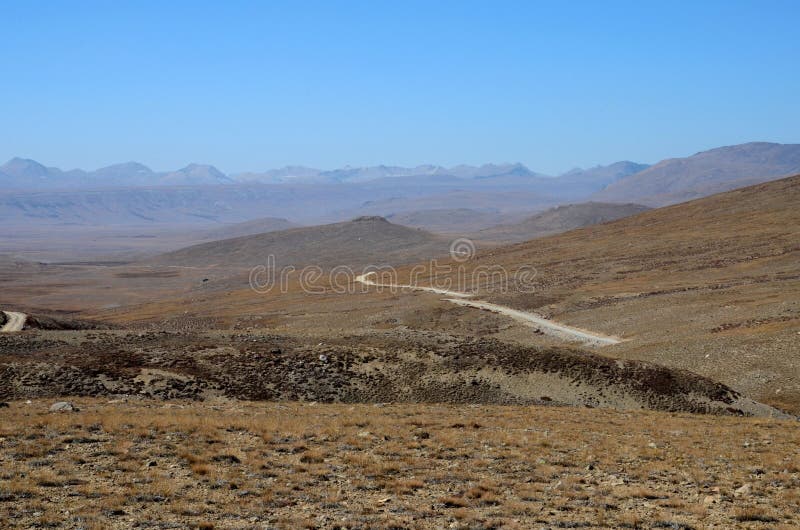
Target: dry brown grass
x=293, y=465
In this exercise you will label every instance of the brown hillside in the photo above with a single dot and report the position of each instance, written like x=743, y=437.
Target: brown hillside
x=717, y=170
x=711, y=285
x=560, y=219
x=363, y=241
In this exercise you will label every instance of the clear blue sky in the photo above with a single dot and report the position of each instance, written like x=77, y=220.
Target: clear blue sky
x=253, y=85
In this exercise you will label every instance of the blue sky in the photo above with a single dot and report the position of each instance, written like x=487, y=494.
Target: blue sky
x=254, y=85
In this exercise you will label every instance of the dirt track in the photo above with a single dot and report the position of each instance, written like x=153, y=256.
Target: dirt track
x=15, y=321
x=546, y=326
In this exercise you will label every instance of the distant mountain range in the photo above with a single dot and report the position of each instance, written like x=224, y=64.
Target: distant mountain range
x=24, y=174
x=364, y=174
x=202, y=196
x=669, y=181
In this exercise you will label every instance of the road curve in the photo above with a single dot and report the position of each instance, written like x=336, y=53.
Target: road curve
x=546, y=326
x=14, y=321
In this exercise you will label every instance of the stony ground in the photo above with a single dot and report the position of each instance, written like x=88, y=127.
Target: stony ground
x=230, y=464
x=382, y=365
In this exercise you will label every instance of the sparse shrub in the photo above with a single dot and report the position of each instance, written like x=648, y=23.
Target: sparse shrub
x=454, y=502
x=753, y=513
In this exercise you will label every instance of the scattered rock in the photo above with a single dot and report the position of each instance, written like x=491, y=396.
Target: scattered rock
x=63, y=406
x=743, y=491
x=614, y=480
x=3, y=405
x=710, y=499
x=228, y=459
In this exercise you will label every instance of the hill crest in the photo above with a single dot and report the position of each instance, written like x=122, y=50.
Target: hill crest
x=367, y=240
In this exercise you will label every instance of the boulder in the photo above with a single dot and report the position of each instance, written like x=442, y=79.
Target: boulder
x=743, y=491
x=63, y=406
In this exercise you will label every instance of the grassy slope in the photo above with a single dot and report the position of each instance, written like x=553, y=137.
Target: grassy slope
x=712, y=285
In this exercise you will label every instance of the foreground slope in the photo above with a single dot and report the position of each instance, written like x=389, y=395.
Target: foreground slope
x=229, y=464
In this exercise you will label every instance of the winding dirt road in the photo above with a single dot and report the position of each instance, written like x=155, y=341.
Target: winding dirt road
x=546, y=326
x=15, y=321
